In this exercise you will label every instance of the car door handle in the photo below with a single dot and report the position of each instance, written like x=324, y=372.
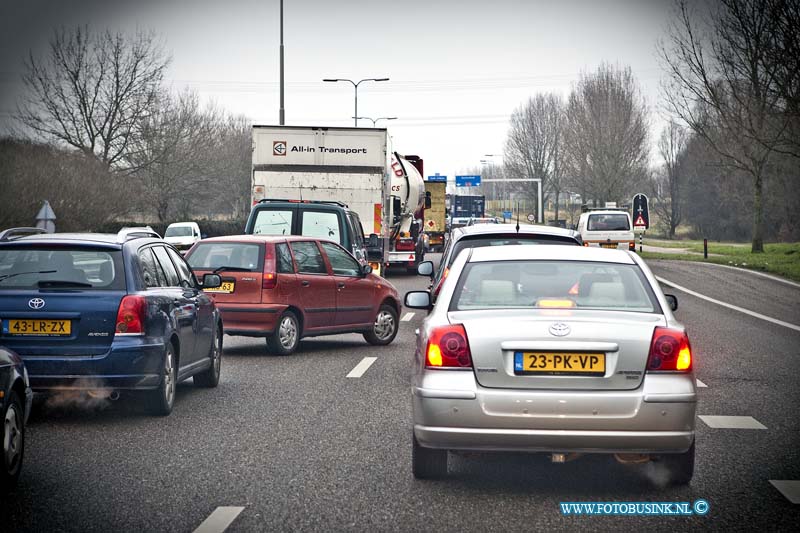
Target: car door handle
x=340, y=285
x=305, y=283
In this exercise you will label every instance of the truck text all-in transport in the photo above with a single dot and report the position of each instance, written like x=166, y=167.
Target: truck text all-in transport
x=344, y=184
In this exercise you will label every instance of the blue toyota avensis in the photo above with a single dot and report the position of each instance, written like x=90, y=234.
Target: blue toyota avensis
x=107, y=313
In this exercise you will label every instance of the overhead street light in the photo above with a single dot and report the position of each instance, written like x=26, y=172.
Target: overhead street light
x=374, y=120
x=355, y=86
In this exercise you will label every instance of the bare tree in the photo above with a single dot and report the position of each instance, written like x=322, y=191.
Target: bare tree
x=606, y=134
x=724, y=83
x=93, y=90
x=672, y=148
x=533, y=144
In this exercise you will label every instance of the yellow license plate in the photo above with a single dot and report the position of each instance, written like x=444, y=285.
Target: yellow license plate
x=47, y=328
x=608, y=245
x=560, y=363
x=226, y=287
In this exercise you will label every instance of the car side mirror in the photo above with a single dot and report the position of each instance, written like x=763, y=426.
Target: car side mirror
x=366, y=270
x=418, y=300
x=211, y=281
x=373, y=240
x=425, y=268
x=672, y=301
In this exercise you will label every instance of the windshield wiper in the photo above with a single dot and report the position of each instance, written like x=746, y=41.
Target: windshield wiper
x=49, y=283
x=231, y=269
x=5, y=277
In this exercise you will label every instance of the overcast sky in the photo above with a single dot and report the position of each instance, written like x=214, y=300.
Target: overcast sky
x=457, y=68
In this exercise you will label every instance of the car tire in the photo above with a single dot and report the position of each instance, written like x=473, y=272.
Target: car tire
x=384, y=327
x=287, y=335
x=427, y=463
x=209, y=378
x=13, y=443
x=679, y=466
x=159, y=401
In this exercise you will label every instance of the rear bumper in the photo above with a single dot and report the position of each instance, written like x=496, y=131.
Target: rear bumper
x=453, y=413
x=132, y=364
x=251, y=320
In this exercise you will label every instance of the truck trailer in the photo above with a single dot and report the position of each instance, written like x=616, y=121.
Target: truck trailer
x=352, y=166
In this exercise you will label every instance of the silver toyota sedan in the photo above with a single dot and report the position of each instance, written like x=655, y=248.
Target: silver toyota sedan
x=558, y=349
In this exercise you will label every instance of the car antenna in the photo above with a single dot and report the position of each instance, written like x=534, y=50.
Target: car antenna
x=517, y=216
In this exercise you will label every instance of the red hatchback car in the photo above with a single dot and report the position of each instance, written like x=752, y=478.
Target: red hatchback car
x=285, y=288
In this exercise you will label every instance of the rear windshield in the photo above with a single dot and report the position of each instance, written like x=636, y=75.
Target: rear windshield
x=273, y=222
x=608, y=222
x=60, y=267
x=179, y=231
x=553, y=284
x=236, y=255
x=506, y=240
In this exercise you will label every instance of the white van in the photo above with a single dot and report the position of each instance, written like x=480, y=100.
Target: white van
x=182, y=235
x=607, y=228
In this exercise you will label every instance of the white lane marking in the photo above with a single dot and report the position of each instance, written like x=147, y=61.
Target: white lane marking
x=789, y=488
x=729, y=306
x=407, y=317
x=701, y=384
x=219, y=520
x=732, y=422
x=361, y=367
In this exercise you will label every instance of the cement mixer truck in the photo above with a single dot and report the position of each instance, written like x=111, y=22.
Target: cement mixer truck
x=301, y=175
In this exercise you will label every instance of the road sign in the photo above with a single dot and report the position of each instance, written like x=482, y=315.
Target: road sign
x=437, y=177
x=641, y=214
x=468, y=181
x=507, y=214
x=531, y=217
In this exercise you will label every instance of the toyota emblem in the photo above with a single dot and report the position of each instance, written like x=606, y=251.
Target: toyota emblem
x=35, y=303
x=559, y=329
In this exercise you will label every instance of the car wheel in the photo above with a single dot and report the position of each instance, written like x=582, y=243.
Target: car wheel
x=13, y=442
x=287, y=335
x=210, y=378
x=160, y=400
x=384, y=328
x=678, y=466
x=427, y=463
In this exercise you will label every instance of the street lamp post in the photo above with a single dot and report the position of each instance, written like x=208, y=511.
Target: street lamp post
x=374, y=120
x=355, y=86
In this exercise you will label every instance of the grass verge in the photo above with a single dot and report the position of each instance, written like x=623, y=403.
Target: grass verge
x=780, y=259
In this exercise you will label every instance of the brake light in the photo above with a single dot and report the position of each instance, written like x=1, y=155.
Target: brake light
x=448, y=347
x=632, y=246
x=269, y=279
x=670, y=351
x=441, y=281
x=131, y=315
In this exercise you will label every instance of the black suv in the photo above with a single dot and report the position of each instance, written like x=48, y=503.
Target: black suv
x=103, y=313
x=312, y=218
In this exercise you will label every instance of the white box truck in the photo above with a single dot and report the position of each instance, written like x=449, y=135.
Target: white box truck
x=351, y=166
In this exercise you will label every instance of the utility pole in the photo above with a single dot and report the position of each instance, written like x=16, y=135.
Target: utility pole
x=281, y=111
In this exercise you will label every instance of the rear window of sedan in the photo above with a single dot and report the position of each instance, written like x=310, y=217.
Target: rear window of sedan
x=245, y=257
x=60, y=267
x=608, y=222
x=553, y=284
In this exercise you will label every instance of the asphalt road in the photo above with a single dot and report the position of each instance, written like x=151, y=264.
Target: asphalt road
x=300, y=446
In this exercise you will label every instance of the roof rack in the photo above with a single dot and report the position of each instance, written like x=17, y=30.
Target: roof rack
x=16, y=233
x=329, y=202
x=126, y=234
x=585, y=209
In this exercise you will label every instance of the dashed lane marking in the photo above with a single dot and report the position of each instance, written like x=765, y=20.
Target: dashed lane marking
x=789, y=488
x=732, y=422
x=219, y=520
x=701, y=384
x=407, y=317
x=729, y=306
x=361, y=367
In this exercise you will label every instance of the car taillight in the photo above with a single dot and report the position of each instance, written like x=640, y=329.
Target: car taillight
x=404, y=245
x=269, y=280
x=632, y=246
x=669, y=351
x=131, y=315
x=441, y=281
x=448, y=347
